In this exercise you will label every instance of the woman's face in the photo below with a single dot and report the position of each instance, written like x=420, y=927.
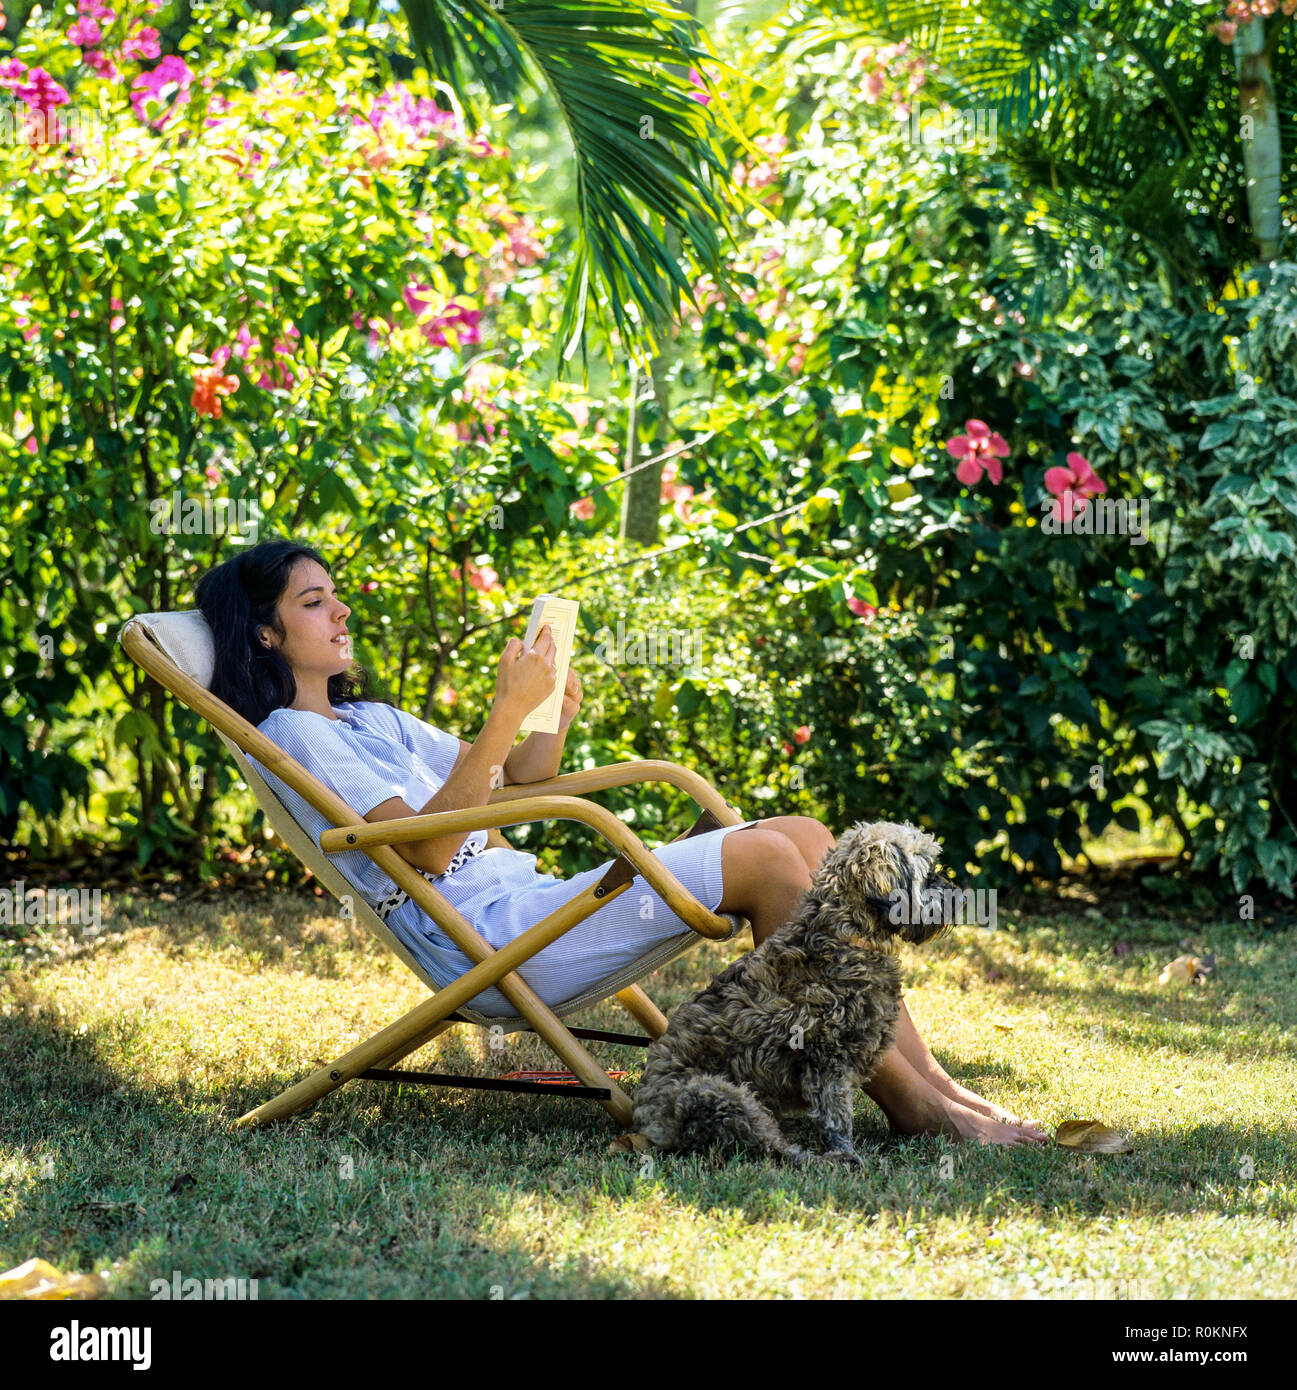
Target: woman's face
x=314, y=623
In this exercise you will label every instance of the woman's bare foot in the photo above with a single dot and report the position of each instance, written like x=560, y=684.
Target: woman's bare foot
x=959, y=1122
x=914, y=1104
x=970, y=1100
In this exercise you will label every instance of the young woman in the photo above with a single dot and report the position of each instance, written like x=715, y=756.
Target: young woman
x=284, y=661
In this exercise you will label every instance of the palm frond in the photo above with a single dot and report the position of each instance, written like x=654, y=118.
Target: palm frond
x=648, y=156
x=1091, y=97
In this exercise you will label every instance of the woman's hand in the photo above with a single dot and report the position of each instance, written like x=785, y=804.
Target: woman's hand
x=526, y=675
x=572, y=697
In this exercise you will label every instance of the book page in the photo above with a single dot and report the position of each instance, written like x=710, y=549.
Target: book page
x=560, y=614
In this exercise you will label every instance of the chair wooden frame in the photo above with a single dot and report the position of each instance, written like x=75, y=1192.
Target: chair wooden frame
x=557, y=798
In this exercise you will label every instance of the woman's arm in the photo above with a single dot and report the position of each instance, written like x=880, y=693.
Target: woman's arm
x=468, y=785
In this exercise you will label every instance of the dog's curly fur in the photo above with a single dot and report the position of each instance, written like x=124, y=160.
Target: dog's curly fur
x=804, y=1018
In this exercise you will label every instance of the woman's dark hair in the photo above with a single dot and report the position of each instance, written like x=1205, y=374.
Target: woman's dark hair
x=239, y=597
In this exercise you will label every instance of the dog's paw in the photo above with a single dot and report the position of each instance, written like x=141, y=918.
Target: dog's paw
x=847, y=1156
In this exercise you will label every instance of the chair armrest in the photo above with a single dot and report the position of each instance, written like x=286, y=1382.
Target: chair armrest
x=637, y=770
x=522, y=810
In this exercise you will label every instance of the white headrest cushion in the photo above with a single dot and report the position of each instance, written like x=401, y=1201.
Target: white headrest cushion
x=186, y=639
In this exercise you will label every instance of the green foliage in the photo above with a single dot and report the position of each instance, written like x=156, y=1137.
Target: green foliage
x=1015, y=685
x=299, y=302
x=878, y=638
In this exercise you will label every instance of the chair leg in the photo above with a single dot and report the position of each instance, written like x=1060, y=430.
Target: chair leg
x=643, y=1010
x=405, y=1049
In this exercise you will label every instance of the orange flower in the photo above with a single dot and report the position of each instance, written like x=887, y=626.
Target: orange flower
x=210, y=384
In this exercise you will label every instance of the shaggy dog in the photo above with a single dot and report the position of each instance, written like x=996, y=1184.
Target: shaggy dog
x=803, y=1019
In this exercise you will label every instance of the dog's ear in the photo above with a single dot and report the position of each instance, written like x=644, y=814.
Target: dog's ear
x=909, y=883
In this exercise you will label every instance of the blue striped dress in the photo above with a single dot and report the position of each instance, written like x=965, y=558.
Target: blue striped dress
x=373, y=752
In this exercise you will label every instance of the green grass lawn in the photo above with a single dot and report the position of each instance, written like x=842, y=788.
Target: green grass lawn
x=126, y=1058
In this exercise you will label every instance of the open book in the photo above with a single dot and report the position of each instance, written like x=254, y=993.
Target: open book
x=560, y=614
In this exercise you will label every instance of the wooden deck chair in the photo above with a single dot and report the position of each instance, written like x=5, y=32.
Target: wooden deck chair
x=176, y=650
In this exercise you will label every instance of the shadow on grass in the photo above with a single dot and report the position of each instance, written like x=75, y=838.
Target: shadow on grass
x=1153, y=1016
x=152, y=1176
x=152, y=1179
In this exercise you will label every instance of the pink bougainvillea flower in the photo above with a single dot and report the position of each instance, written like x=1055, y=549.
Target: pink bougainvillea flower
x=282, y=346
x=41, y=92
x=802, y=735
x=245, y=344
x=96, y=11
x=979, y=449
x=524, y=248
x=459, y=317
x=85, y=33
x=220, y=357
x=42, y=96
x=420, y=118
x=102, y=64
x=583, y=509
x=166, y=86
x=142, y=45
x=1073, y=486
x=699, y=81
x=30, y=444
x=861, y=609
x=418, y=298
x=369, y=586
x=118, y=320
x=212, y=474
x=12, y=72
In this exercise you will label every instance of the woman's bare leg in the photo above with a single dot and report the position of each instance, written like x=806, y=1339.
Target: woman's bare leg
x=915, y=1051
x=915, y=1092
x=912, y=1106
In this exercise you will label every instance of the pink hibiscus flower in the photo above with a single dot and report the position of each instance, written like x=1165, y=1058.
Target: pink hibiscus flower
x=979, y=449
x=1073, y=486
x=485, y=579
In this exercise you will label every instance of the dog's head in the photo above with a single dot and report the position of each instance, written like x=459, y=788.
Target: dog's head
x=889, y=877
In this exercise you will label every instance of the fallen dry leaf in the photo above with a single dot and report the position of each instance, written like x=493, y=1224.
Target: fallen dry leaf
x=1000, y=1023
x=1091, y=1137
x=39, y=1279
x=1182, y=970
x=630, y=1143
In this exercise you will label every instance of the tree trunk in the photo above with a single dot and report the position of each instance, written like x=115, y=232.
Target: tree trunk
x=642, y=500
x=1259, y=133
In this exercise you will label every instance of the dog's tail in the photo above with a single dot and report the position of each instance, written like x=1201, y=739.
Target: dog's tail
x=714, y=1111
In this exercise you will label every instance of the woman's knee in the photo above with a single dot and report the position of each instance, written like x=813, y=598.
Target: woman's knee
x=756, y=857
x=812, y=837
